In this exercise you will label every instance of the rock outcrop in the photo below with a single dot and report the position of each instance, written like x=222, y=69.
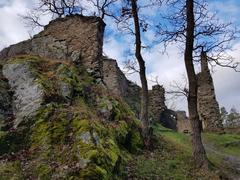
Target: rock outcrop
x=208, y=107
x=78, y=132
x=28, y=94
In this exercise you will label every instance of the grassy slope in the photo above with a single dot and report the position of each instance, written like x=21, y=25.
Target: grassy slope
x=171, y=158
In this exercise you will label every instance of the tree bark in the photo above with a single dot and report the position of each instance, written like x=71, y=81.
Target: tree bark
x=142, y=72
x=199, y=153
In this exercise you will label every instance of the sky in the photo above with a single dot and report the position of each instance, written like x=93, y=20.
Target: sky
x=167, y=67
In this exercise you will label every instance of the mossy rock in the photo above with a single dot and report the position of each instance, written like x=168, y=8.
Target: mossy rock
x=68, y=138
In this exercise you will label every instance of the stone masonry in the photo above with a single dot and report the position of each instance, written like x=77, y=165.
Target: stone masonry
x=114, y=78
x=119, y=85
x=183, y=123
x=76, y=38
x=208, y=106
x=157, y=102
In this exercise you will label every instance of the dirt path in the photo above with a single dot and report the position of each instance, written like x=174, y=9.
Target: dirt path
x=231, y=161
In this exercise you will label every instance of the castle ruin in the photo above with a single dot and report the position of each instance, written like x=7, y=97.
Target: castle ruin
x=208, y=107
x=79, y=39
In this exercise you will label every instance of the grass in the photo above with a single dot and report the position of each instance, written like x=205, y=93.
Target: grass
x=226, y=143
x=170, y=159
x=180, y=140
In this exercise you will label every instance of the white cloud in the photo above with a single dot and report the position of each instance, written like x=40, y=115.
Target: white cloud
x=12, y=29
x=227, y=83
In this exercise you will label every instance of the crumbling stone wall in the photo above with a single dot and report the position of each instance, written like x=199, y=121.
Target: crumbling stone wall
x=114, y=78
x=183, y=123
x=208, y=107
x=76, y=38
x=158, y=110
x=119, y=85
x=157, y=102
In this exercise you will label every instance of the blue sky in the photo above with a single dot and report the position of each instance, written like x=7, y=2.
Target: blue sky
x=167, y=67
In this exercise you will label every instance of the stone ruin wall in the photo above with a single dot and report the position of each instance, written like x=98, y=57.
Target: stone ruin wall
x=157, y=102
x=76, y=38
x=114, y=78
x=119, y=85
x=208, y=107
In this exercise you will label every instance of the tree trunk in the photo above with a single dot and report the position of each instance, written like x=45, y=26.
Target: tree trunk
x=141, y=62
x=199, y=153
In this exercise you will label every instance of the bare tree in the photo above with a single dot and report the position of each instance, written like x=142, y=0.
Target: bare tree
x=52, y=8
x=199, y=30
x=211, y=36
x=103, y=8
x=59, y=7
x=199, y=153
x=195, y=28
x=142, y=72
x=132, y=24
x=179, y=89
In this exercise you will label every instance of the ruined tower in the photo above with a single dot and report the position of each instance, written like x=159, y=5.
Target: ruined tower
x=208, y=107
x=157, y=101
x=158, y=110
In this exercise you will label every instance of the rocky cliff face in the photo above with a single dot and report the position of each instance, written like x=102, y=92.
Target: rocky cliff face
x=66, y=112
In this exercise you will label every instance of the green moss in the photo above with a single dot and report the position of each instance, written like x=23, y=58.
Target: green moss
x=136, y=141
x=42, y=171
x=68, y=131
x=11, y=170
x=121, y=131
x=94, y=172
